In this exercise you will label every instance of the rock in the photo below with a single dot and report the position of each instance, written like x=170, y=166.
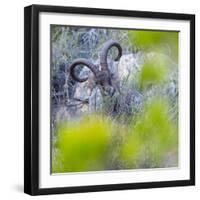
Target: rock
x=83, y=90
x=129, y=65
x=95, y=100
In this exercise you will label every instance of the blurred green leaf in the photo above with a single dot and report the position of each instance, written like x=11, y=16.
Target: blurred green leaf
x=82, y=145
x=160, y=41
x=153, y=136
x=154, y=71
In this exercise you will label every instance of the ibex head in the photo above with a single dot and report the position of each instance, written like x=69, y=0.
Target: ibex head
x=102, y=75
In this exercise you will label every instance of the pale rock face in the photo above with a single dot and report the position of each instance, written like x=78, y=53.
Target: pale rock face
x=92, y=94
x=84, y=89
x=128, y=66
x=95, y=100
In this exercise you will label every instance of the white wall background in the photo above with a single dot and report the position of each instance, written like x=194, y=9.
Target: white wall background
x=11, y=98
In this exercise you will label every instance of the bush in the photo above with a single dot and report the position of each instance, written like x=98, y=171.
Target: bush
x=82, y=145
x=150, y=140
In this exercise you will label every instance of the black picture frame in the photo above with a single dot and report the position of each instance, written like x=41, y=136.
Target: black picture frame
x=31, y=98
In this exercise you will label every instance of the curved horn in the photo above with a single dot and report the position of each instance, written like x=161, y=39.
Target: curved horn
x=104, y=53
x=84, y=62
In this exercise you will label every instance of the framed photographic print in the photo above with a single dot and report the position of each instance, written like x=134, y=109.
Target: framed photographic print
x=109, y=99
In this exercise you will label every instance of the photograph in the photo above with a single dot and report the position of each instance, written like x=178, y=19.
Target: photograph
x=114, y=99
x=109, y=99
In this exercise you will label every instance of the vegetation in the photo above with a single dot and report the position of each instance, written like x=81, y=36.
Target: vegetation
x=82, y=145
x=150, y=137
x=87, y=133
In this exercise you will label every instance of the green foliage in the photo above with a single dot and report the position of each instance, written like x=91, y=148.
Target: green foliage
x=161, y=41
x=82, y=145
x=95, y=142
x=149, y=140
x=154, y=71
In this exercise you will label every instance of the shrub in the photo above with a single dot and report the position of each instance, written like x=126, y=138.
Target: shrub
x=82, y=145
x=152, y=137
